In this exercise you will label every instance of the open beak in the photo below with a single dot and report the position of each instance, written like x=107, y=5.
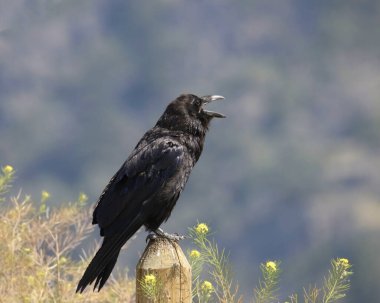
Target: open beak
x=208, y=99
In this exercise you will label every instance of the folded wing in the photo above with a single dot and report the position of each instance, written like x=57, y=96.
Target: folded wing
x=140, y=179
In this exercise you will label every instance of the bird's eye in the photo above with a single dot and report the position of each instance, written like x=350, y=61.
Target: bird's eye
x=196, y=102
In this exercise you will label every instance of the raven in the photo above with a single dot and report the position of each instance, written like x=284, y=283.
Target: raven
x=149, y=183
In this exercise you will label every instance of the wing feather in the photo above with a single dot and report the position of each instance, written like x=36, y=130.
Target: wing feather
x=140, y=178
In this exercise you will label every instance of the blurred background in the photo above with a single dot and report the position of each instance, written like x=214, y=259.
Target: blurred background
x=292, y=174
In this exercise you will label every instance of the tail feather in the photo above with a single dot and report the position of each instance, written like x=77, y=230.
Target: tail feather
x=104, y=275
x=101, y=266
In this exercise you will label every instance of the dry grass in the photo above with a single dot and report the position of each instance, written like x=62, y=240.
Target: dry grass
x=36, y=245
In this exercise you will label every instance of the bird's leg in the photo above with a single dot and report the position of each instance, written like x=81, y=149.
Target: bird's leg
x=151, y=236
x=175, y=237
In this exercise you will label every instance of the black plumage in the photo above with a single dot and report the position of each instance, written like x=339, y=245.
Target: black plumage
x=148, y=184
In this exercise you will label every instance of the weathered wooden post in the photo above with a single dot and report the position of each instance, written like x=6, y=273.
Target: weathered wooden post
x=166, y=261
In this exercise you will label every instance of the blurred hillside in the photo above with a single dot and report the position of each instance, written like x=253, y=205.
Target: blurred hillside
x=292, y=174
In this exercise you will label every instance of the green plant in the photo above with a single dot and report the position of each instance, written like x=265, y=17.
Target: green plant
x=6, y=178
x=335, y=286
x=36, y=245
x=37, y=241
x=210, y=257
x=209, y=260
x=266, y=291
x=151, y=287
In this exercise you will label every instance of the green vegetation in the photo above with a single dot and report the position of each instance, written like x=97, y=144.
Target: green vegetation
x=213, y=279
x=151, y=287
x=268, y=285
x=215, y=261
x=209, y=258
x=336, y=284
x=36, y=244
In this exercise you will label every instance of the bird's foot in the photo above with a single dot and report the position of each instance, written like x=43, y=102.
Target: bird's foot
x=151, y=236
x=173, y=237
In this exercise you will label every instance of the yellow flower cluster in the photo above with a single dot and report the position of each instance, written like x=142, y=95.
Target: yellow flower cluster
x=45, y=195
x=201, y=229
x=62, y=261
x=207, y=287
x=82, y=199
x=7, y=169
x=150, y=280
x=344, y=262
x=271, y=266
x=195, y=254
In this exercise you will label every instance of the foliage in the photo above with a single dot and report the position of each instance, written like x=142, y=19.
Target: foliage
x=6, y=178
x=208, y=256
x=151, y=287
x=216, y=262
x=36, y=245
x=268, y=286
x=336, y=284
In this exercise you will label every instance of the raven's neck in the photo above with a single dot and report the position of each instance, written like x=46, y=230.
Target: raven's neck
x=184, y=123
x=191, y=138
x=194, y=144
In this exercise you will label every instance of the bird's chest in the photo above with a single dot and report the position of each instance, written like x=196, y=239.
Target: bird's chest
x=165, y=201
x=176, y=184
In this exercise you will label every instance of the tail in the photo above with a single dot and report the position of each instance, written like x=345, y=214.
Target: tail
x=101, y=266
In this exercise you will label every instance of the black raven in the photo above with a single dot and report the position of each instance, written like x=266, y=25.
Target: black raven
x=148, y=184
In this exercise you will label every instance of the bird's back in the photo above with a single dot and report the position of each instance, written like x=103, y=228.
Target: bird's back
x=149, y=182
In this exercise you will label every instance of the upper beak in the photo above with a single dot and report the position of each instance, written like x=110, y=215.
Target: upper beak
x=208, y=99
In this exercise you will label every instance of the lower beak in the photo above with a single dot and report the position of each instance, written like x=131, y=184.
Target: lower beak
x=208, y=99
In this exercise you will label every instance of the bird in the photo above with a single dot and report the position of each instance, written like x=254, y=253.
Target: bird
x=147, y=186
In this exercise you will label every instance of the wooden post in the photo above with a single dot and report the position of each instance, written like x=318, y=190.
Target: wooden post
x=166, y=261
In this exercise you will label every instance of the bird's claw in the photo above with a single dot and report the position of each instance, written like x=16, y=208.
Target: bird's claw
x=151, y=236
x=173, y=237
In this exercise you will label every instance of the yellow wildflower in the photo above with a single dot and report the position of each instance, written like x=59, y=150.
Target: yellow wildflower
x=202, y=229
x=150, y=280
x=82, y=198
x=62, y=260
x=27, y=250
x=344, y=262
x=271, y=266
x=45, y=195
x=43, y=208
x=195, y=254
x=7, y=169
x=207, y=287
x=30, y=280
x=41, y=273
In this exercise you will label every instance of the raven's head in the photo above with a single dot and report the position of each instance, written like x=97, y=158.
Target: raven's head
x=187, y=111
x=196, y=106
